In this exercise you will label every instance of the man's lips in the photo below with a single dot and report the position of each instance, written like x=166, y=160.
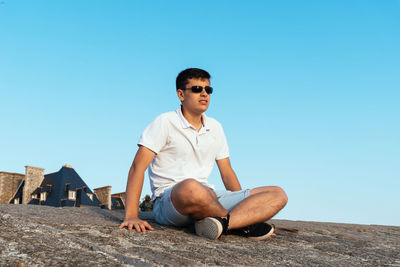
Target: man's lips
x=203, y=102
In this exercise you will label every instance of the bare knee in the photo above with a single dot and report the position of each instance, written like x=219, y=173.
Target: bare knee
x=282, y=196
x=279, y=195
x=275, y=192
x=190, y=192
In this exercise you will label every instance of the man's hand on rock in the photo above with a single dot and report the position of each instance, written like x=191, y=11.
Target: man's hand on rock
x=138, y=224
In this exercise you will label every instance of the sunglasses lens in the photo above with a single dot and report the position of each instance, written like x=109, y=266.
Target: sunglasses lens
x=209, y=90
x=197, y=89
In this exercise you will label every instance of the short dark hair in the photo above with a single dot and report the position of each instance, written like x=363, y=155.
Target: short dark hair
x=190, y=73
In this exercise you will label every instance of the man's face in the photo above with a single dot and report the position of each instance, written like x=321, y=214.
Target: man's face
x=195, y=102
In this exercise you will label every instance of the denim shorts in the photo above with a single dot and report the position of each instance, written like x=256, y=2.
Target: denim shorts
x=166, y=214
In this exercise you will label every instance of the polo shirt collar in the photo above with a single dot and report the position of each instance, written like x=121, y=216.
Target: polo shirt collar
x=186, y=124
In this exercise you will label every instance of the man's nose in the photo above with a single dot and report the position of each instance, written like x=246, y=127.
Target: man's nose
x=203, y=92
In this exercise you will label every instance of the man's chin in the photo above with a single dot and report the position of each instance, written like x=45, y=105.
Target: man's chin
x=198, y=109
x=203, y=109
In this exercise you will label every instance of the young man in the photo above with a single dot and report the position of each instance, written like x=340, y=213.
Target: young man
x=180, y=148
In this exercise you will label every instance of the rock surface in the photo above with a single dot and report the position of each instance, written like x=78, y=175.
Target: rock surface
x=47, y=236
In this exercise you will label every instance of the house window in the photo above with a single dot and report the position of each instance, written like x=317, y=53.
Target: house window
x=16, y=200
x=71, y=195
x=90, y=196
x=34, y=196
x=43, y=196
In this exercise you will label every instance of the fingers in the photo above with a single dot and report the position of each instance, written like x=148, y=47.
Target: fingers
x=123, y=224
x=138, y=226
x=127, y=225
x=142, y=227
x=148, y=226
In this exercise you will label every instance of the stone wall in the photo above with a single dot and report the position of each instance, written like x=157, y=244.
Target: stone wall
x=33, y=178
x=104, y=195
x=9, y=183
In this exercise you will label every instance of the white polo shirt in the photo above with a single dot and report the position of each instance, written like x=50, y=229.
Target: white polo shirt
x=181, y=151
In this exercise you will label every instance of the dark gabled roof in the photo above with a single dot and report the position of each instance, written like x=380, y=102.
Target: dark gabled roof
x=55, y=184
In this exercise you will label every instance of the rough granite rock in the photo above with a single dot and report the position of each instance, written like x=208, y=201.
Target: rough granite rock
x=47, y=236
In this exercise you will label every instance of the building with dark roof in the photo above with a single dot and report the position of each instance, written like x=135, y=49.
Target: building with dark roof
x=64, y=188
x=16, y=188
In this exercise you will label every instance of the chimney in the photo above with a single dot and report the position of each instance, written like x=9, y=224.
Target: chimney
x=33, y=178
x=104, y=195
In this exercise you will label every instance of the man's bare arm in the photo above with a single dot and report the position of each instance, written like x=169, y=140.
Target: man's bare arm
x=228, y=176
x=134, y=186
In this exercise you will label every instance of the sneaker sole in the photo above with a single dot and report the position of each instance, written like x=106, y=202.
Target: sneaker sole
x=263, y=237
x=208, y=227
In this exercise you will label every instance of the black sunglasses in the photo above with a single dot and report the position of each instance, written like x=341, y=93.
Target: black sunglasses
x=198, y=89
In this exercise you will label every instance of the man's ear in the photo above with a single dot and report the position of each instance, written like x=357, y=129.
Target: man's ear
x=180, y=94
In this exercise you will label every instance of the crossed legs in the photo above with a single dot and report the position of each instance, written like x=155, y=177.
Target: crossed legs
x=190, y=197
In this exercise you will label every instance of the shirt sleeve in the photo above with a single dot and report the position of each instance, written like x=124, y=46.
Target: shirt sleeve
x=223, y=151
x=154, y=137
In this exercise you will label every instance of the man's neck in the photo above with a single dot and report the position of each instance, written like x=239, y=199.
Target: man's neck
x=194, y=119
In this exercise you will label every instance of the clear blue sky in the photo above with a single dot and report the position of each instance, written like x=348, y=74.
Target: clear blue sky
x=307, y=93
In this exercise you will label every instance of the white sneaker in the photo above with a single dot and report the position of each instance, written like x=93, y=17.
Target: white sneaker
x=210, y=227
